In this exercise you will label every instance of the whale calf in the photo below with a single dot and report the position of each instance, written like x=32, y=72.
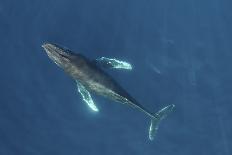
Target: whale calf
x=91, y=78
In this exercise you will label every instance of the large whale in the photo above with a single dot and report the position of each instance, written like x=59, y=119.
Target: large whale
x=91, y=78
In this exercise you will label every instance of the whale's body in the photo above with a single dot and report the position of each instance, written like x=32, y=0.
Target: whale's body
x=91, y=78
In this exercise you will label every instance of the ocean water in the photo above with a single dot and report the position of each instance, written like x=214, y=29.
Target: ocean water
x=181, y=54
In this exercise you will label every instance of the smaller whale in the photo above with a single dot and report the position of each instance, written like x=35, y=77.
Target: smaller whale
x=91, y=78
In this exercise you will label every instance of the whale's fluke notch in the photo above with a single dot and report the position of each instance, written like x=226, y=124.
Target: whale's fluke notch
x=86, y=96
x=158, y=117
x=113, y=63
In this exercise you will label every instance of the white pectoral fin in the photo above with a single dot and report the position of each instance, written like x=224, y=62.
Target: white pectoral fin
x=86, y=96
x=113, y=63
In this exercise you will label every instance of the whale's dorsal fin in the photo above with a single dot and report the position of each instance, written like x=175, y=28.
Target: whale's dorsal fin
x=113, y=63
x=86, y=96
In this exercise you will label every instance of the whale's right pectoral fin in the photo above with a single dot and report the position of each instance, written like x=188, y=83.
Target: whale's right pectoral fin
x=86, y=96
x=113, y=63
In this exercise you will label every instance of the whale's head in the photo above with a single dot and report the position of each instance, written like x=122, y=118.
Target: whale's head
x=74, y=64
x=63, y=57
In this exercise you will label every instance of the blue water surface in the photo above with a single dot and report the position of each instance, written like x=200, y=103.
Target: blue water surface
x=181, y=54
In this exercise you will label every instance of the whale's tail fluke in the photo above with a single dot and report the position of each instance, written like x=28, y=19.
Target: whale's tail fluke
x=155, y=121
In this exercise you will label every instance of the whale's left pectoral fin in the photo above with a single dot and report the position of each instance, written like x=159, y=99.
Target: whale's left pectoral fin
x=113, y=63
x=86, y=96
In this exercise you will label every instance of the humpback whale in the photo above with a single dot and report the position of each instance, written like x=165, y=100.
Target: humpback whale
x=91, y=77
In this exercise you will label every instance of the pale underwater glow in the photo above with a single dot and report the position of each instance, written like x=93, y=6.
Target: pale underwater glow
x=114, y=63
x=86, y=97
